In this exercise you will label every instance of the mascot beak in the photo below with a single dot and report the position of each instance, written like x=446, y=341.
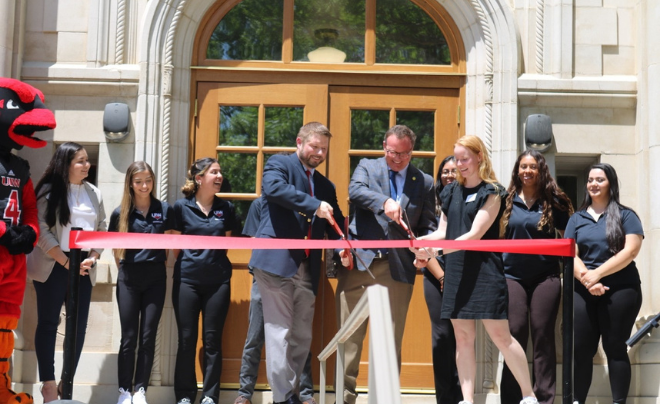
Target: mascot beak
x=22, y=112
x=23, y=128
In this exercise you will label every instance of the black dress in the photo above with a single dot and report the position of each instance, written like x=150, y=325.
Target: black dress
x=475, y=287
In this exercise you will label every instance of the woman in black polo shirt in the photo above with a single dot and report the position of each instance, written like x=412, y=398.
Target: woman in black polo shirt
x=141, y=281
x=607, y=295
x=535, y=209
x=201, y=281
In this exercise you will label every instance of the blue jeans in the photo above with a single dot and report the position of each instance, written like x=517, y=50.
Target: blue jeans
x=254, y=343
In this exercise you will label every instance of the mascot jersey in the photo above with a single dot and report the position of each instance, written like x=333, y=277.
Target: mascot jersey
x=18, y=206
x=22, y=113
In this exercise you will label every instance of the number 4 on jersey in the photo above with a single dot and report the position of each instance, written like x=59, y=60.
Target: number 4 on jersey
x=13, y=208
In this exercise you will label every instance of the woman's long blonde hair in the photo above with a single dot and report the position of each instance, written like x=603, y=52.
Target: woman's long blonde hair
x=128, y=198
x=477, y=146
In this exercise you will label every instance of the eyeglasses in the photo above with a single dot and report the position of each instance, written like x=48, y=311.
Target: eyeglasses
x=403, y=155
x=449, y=172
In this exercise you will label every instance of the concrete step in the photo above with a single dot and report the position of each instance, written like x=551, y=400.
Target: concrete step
x=105, y=394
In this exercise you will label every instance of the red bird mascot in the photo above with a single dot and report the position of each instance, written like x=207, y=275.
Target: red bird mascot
x=22, y=112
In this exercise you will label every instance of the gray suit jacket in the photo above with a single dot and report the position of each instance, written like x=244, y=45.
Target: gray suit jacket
x=40, y=264
x=368, y=191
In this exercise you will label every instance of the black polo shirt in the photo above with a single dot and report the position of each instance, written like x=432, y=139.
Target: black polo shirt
x=523, y=226
x=253, y=218
x=592, y=243
x=203, y=267
x=158, y=220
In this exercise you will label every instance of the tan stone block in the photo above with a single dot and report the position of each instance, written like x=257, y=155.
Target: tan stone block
x=595, y=26
x=627, y=26
x=618, y=60
x=72, y=15
x=40, y=47
x=71, y=47
x=588, y=60
x=588, y=3
x=35, y=11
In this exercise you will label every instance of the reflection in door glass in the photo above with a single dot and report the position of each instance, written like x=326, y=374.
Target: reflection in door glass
x=406, y=34
x=241, y=171
x=238, y=126
x=422, y=123
x=252, y=30
x=425, y=165
x=368, y=128
x=282, y=125
x=328, y=31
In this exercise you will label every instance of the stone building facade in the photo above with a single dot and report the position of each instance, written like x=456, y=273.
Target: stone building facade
x=593, y=66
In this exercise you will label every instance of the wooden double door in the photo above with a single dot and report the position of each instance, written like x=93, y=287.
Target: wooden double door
x=245, y=123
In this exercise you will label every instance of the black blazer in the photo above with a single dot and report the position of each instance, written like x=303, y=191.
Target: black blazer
x=288, y=211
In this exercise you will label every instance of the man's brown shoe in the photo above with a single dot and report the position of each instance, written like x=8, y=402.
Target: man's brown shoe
x=242, y=400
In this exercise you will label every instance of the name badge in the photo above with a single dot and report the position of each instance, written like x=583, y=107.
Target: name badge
x=471, y=198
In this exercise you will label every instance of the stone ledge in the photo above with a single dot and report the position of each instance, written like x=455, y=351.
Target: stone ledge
x=79, y=72
x=596, y=84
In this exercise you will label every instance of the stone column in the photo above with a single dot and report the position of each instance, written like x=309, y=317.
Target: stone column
x=8, y=9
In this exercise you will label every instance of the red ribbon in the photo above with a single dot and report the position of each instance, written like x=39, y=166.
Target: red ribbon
x=95, y=239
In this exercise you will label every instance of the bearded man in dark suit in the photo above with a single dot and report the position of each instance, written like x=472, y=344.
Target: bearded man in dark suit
x=299, y=203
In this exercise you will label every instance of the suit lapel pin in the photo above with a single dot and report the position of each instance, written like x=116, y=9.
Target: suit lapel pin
x=414, y=178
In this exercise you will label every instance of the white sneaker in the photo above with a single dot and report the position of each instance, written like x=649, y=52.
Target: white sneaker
x=140, y=397
x=207, y=400
x=464, y=402
x=529, y=400
x=124, y=397
x=184, y=401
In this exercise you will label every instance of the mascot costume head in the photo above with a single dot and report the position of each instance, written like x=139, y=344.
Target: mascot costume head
x=22, y=113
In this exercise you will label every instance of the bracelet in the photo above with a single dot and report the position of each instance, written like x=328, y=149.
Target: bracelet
x=66, y=262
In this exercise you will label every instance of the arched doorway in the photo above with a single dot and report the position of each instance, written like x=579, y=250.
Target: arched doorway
x=262, y=69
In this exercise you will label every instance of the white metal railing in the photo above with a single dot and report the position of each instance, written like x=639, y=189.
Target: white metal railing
x=384, y=386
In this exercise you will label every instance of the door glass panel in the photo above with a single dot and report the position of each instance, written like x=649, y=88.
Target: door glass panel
x=422, y=123
x=368, y=128
x=241, y=171
x=252, y=30
x=332, y=29
x=238, y=126
x=405, y=34
x=282, y=125
x=425, y=165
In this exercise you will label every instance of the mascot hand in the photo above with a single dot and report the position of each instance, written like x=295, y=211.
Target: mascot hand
x=19, y=239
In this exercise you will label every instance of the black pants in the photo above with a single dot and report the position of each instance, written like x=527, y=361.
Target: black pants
x=140, y=297
x=611, y=317
x=212, y=301
x=447, y=385
x=51, y=295
x=534, y=304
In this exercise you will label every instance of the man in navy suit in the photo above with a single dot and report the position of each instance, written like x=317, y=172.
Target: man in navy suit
x=380, y=191
x=299, y=203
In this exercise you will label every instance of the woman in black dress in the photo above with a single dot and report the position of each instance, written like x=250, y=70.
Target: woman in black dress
x=535, y=209
x=475, y=287
x=443, y=342
x=607, y=295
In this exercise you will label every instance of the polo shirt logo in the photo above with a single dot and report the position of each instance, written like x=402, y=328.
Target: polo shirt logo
x=157, y=216
x=218, y=213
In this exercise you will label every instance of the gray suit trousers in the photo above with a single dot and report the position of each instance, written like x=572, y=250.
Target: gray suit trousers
x=288, y=305
x=350, y=288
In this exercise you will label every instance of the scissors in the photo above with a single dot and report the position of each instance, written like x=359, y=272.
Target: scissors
x=406, y=227
x=350, y=247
